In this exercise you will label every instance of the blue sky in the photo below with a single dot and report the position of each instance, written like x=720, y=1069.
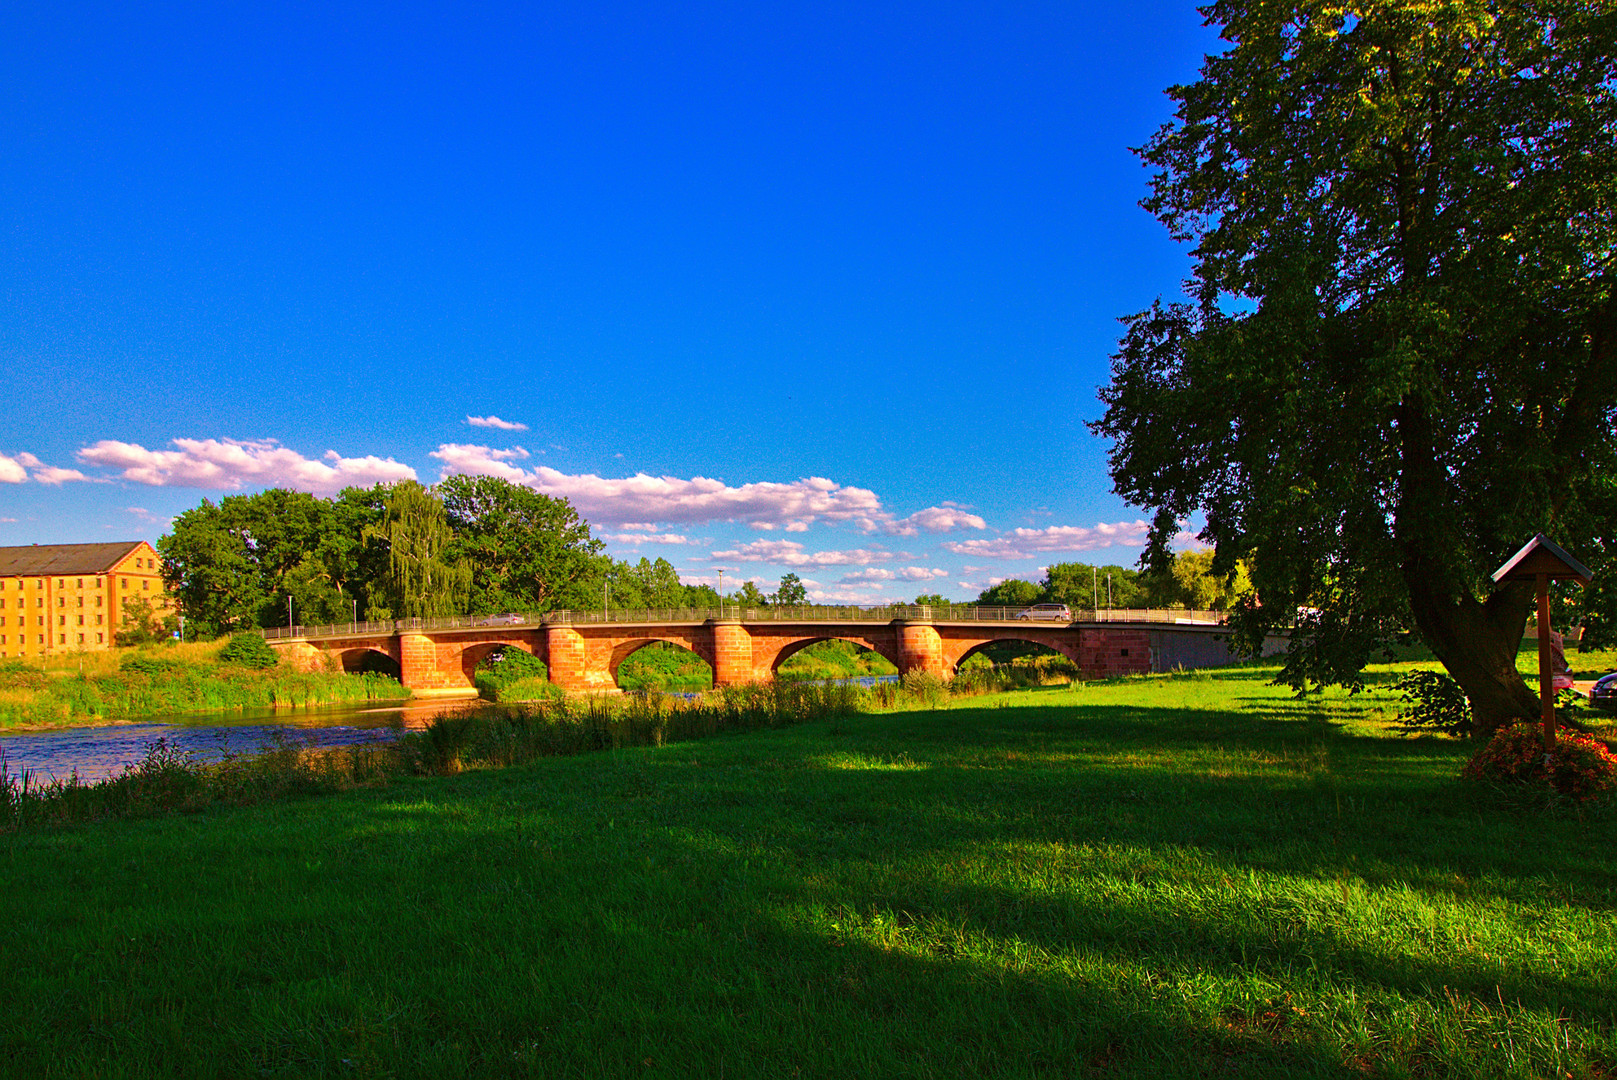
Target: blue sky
x=823, y=289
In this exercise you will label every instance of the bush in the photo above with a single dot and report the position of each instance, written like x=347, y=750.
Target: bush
x=248, y=650
x=1580, y=767
x=1435, y=703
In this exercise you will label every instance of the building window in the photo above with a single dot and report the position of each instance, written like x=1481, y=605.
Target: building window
x=81, y=620
x=123, y=583
x=79, y=584
x=41, y=638
x=98, y=620
x=61, y=601
x=81, y=639
x=146, y=585
x=98, y=639
x=2, y=620
x=40, y=620
x=98, y=601
x=61, y=639
x=81, y=601
x=61, y=620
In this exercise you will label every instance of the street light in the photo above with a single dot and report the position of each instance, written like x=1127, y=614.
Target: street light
x=355, y=602
x=721, y=592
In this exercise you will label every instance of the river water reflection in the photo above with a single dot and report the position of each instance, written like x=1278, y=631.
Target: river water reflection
x=100, y=752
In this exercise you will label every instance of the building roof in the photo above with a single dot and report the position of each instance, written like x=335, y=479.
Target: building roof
x=42, y=560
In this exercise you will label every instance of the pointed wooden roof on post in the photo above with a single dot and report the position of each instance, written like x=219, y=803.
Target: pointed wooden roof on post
x=1540, y=555
x=1542, y=561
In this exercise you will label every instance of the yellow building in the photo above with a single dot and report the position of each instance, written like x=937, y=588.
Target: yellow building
x=62, y=597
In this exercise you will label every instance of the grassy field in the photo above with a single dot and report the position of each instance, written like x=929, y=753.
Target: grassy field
x=1189, y=876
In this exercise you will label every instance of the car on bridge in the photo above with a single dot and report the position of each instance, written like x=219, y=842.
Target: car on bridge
x=1053, y=612
x=508, y=619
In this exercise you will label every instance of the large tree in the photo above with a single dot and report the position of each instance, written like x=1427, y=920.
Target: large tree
x=529, y=552
x=426, y=577
x=1400, y=361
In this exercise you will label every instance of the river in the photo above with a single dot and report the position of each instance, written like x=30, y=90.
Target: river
x=99, y=752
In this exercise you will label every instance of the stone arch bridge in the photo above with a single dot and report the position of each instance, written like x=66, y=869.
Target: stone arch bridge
x=583, y=650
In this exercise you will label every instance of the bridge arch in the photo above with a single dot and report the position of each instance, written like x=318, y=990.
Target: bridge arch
x=369, y=658
x=623, y=650
x=956, y=652
x=792, y=648
x=473, y=656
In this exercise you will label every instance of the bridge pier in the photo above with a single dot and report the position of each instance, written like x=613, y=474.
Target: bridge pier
x=920, y=648
x=567, y=656
x=732, y=653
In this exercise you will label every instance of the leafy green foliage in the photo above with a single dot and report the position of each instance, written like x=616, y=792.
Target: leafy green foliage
x=427, y=577
x=505, y=667
x=1433, y=703
x=526, y=551
x=248, y=650
x=792, y=592
x=1397, y=365
x=235, y=565
x=144, y=623
x=1012, y=592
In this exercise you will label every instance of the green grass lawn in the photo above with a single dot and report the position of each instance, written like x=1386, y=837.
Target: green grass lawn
x=1188, y=876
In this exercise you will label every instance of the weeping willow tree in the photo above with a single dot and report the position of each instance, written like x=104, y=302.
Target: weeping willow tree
x=424, y=580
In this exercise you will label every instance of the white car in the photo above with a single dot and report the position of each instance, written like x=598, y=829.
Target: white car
x=1053, y=612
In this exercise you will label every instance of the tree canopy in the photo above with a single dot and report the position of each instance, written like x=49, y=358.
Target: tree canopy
x=1398, y=363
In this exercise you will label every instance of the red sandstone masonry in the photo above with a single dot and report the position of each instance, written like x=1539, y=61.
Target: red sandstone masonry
x=921, y=649
x=586, y=657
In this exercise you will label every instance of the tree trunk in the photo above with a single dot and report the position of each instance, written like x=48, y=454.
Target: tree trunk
x=1478, y=643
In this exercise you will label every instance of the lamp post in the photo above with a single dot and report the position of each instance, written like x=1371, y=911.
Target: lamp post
x=721, y=592
x=355, y=602
x=289, y=613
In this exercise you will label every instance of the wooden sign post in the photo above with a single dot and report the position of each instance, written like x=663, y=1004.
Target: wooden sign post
x=1541, y=562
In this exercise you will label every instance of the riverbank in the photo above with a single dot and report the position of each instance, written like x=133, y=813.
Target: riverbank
x=123, y=685
x=1147, y=877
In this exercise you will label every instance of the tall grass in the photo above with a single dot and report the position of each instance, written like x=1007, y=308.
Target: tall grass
x=155, y=682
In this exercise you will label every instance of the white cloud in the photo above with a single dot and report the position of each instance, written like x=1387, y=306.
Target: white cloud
x=874, y=574
x=921, y=573
x=495, y=422
x=791, y=553
x=56, y=477
x=936, y=519
x=857, y=595
x=14, y=470
x=762, y=505
x=1026, y=543
x=647, y=538
x=227, y=464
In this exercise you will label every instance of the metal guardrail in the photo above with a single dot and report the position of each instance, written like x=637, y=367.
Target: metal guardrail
x=804, y=614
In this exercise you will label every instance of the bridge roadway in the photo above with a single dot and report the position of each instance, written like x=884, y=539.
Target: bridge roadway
x=583, y=650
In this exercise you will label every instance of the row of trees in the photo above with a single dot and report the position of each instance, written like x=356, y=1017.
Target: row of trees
x=472, y=545
x=1185, y=580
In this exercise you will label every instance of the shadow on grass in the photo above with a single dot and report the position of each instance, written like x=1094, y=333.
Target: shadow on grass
x=1107, y=890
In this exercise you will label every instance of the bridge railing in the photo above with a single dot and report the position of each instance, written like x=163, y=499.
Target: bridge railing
x=796, y=614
